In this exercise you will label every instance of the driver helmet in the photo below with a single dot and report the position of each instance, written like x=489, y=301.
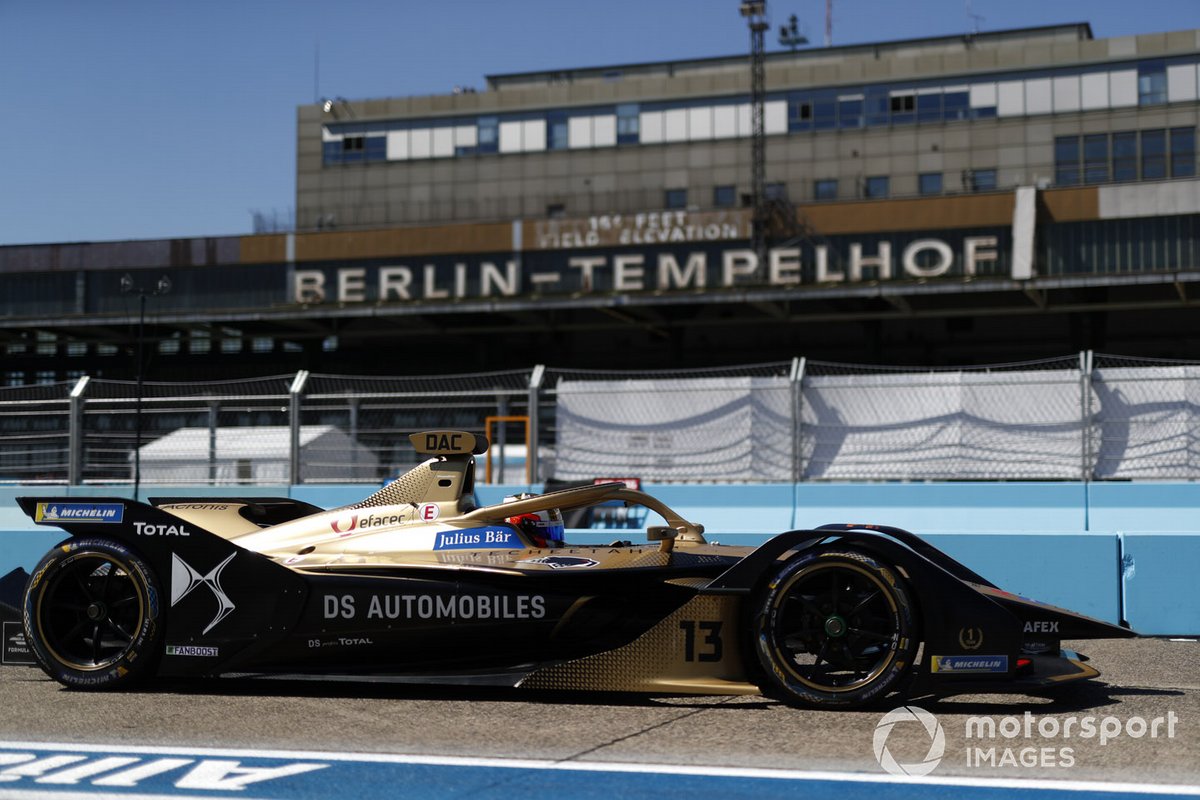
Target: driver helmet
x=543, y=528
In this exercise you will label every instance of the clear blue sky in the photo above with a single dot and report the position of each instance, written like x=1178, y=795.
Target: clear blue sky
x=132, y=119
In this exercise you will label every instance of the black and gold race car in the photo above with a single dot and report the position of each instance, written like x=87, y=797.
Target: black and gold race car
x=417, y=584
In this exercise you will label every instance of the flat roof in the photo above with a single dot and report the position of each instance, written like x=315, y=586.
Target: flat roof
x=1082, y=30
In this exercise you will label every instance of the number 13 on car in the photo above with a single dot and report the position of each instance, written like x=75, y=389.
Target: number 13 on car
x=702, y=640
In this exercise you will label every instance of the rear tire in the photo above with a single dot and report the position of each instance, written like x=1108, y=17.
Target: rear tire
x=834, y=628
x=92, y=615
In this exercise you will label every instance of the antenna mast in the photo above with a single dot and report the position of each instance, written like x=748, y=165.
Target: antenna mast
x=755, y=12
x=973, y=20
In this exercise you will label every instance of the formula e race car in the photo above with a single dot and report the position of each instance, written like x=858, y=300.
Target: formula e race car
x=417, y=584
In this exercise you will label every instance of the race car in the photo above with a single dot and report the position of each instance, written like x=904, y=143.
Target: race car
x=416, y=583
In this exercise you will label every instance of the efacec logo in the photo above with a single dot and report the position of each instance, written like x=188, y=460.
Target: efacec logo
x=997, y=742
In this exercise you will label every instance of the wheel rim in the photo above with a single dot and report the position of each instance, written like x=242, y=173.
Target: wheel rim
x=836, y=627
x=90, y=612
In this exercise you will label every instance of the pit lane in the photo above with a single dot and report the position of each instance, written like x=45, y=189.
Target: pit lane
x=1146, y=679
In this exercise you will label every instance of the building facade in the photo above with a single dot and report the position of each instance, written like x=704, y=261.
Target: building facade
x=934, y=117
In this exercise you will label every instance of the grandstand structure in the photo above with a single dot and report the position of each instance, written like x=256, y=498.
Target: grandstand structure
x=957, y=200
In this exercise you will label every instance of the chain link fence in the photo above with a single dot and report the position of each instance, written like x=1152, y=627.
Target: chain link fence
x=686, y=425
x=378, y=414
x=216, y=432
x=35, y=432
x=1022, y=421
x=1083, y=417
x=1145, y=418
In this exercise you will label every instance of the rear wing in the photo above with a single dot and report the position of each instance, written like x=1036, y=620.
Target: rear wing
x=216, y=594
x=262, y=511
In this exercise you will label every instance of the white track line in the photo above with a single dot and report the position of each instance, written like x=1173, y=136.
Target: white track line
x=58, y=794
x=1187, y=790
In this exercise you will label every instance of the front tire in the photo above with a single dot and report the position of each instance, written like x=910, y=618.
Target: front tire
x=92, y=615
x=834, y=628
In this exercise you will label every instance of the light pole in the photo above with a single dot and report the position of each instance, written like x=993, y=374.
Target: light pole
x=129, y=287
x=790, y=35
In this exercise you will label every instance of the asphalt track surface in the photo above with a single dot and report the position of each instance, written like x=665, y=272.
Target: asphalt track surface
x=1144, y=680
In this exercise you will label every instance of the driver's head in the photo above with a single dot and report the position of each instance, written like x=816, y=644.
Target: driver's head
x=543, y=528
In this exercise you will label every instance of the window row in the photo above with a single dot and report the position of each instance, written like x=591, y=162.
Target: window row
x=1145, y=244
x=872, y=187
x=1125, y=156
x=199, y=342
x=43, y=377
x=1117, y=86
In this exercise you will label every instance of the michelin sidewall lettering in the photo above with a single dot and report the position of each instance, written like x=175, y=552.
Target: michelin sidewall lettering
x=141, y=653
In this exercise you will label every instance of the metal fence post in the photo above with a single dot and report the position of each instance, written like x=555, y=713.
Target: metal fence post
x=213, y=421
x=353, y=403
x=502, y=436
x=294, y=395
x=75, y=432
x=535, y=385
x=1085, y=402
x=797, y=387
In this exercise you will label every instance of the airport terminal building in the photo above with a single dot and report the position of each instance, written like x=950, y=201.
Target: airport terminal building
x=960, y=200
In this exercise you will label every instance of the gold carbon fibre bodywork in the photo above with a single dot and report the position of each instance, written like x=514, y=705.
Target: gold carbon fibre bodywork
x=411, y=487
x=695, y=650
x=400, y=523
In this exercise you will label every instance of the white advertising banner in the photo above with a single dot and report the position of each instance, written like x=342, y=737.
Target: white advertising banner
x=697, y=429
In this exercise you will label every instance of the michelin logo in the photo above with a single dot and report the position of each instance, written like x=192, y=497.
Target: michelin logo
x=970, y=663
x=79, y=512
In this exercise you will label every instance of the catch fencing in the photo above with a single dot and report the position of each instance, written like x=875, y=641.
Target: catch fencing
x=1084, y=417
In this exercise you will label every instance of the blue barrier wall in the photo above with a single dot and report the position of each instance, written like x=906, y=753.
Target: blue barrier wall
x=946, y=506
x=1144, y=506
x=1158, y=578
x=1077, y=571
x=329, y=496
x=1157, y=526
x=1108, y=550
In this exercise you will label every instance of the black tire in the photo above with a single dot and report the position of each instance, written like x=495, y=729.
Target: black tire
x=92, y=615
x=834, y=628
